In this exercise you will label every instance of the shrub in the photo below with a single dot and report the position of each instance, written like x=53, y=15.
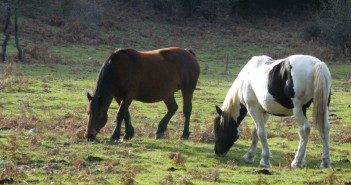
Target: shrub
x=335, y=20
x=311, y=32
x=87, y=12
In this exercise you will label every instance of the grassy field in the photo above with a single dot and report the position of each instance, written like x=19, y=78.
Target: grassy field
x=51, y=99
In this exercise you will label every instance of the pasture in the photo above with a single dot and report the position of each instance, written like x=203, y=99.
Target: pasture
x=43, y=116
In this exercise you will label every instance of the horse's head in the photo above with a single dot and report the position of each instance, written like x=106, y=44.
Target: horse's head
x=226, y=132
x=97, y=117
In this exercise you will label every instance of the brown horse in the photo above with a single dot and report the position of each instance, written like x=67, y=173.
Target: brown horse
x=148, y=77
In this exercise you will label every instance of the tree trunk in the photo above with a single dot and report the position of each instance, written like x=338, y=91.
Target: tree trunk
x=20, y=55
x=7, y=35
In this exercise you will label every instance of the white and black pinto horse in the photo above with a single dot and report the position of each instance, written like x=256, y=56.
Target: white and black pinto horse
x=279, y=87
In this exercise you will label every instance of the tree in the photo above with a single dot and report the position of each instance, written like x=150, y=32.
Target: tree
x=335, y=23
x=20, y=57
x=7, y=34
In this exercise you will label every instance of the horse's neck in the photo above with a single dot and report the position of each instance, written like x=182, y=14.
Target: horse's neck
x=104, y=86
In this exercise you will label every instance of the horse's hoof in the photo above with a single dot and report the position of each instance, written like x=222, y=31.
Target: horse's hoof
x=114, y=138
x=159, y=135
x=326, y=162
x=324, y=165
x=185, y=136
x=130, y=133
x=297, y=164
x=264, y=164
x=248, y=159
x=127, y=138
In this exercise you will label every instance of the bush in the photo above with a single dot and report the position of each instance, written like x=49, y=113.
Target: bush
x=311, y=32
x=167, y=6
x=87, y=12
x=335, y=21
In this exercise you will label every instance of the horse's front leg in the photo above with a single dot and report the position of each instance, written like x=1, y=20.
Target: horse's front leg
x=249, y=157
x=260, y=118
x=129, y=128
x=122, y=112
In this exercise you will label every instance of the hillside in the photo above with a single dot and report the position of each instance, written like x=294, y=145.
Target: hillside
x=43, y=103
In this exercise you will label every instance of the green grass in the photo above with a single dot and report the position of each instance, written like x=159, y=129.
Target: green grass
x=51, y=98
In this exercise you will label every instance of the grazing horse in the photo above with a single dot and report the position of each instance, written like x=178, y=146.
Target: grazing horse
x=282, y=87
x=148, y=77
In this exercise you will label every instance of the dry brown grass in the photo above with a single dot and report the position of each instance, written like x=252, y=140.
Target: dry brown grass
x=245, y=131
x=168, y=180
x=127, y=178
x=80, y=163
x=206, y=135
x=177, y=158
x=331, y=178
x=11, y=172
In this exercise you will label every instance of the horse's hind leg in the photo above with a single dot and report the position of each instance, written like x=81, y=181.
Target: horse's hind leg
x=172, y=107
x=129, y=128
x=187, y=107
x=304, y=132
x=324, y=133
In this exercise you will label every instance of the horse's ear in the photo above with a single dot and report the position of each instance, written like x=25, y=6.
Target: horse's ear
x=219, y=111
x=89, y=96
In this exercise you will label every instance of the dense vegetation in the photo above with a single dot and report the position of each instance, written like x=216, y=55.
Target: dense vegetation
x=43, y=102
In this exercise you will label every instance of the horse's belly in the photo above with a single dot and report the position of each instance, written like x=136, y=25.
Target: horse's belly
x=271, y=106
x=151, y=94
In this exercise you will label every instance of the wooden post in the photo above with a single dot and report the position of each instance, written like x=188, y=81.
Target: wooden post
x=20, y=54
x=7, y=35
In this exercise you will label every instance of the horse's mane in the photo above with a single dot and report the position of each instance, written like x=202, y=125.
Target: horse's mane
x=231, y=104
x=104, y=78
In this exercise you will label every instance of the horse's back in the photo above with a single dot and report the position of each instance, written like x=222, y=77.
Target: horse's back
x=154, y=75
x=187, y=65
x=279, y=84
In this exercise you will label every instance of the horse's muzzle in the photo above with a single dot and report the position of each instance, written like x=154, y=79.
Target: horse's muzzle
x=91, y=137
x=220, y=154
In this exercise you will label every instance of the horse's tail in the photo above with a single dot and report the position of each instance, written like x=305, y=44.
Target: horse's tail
x=321, y=94
x=191, y=51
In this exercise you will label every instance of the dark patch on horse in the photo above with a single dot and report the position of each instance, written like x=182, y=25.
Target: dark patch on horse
x=104, y=81
x=280, y=115
x=269, y=62
x=304, y=107
x=281, y=85
x=191, y=51
x=243, y=112
x=329, y=97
